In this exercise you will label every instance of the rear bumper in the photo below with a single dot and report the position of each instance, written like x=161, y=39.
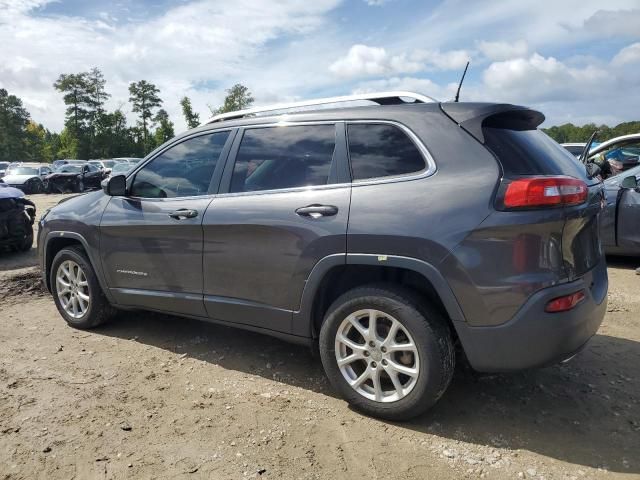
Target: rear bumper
x=535, y=338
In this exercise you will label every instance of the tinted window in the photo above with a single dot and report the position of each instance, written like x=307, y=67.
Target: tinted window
x=382, y=151
x=283, y=157
x=184, y=170
x=531, y=152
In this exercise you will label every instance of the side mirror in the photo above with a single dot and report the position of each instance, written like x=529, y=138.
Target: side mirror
x=630, y=182
x=115, y=186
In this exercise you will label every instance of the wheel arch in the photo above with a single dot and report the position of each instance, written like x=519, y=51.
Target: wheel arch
x=56, y=241
x=336, y=274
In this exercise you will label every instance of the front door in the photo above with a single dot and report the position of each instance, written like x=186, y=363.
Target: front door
x=285, y=206
x=151, y=239
x=629, y=219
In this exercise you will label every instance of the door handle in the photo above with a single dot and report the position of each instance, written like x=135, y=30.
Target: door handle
x=317, y=211
x=183, y=213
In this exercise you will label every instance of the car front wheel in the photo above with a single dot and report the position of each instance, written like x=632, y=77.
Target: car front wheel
x=386, y=351
x=76, y=291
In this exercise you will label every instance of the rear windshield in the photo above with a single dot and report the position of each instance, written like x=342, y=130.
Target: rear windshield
x=531, y=152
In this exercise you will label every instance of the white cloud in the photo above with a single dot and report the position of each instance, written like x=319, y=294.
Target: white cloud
x=614, y=23
x=376, y=3
x=539, y=78
x=200, y=43
x=499, y=50
x=629, y=54
x=365, y=61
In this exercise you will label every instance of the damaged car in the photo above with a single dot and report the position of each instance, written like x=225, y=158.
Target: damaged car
x=74, y=177
x=620, y=220
x=27, y=177
x=17, y=215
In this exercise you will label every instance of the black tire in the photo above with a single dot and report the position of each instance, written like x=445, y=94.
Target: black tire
x=430, y=333
x=79, y=186
x=99, y=310
x=27, y=243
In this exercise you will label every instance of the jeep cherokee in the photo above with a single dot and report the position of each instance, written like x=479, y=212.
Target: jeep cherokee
x=390, y=235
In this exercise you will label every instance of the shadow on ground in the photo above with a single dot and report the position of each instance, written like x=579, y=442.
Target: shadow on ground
x=586, y=412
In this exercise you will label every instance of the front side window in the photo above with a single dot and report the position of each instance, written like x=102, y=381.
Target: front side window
x=284, y=157
x=378, y=150
x=183, y=170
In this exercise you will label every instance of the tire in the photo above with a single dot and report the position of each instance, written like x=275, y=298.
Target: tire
x=98, y=310
x=431, y=363
x=27, y=243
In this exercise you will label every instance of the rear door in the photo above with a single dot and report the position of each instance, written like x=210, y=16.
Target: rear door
x=284, y=205
x=151, y=239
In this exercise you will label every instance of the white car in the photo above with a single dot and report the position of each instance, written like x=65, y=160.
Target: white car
x=28, y=177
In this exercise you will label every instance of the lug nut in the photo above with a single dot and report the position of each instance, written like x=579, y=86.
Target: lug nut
x=366, y=354
x=384, y=362
x=373, y=364
x=383, y=349
x=372, y=343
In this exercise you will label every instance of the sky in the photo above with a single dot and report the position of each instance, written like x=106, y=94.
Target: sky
x=575, y=60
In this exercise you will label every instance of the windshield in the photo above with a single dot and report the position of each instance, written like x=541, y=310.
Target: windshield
x=4, y=165
x=23, y=171
x=69, y=169
x=121, y=167
x=108, y=163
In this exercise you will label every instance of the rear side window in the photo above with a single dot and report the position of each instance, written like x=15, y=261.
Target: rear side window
x=378, y=150
x=283, y=157
x=184, y=170
x=531, y=152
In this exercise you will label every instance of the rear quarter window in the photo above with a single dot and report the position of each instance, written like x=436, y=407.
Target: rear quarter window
x=531, y=152
x=380, y=150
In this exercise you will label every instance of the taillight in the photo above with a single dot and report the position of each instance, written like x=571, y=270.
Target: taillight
x=532, y=192
x=562, y=304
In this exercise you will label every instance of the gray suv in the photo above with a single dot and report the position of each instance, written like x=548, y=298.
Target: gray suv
x=393, y=236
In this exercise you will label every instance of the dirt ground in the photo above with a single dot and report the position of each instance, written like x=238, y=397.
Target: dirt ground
x=152, y=396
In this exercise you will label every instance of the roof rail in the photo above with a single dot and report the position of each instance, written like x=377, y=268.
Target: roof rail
x=381, y=98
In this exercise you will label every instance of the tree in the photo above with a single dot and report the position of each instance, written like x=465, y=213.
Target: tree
x=14, y=119
x=97, y=97
x=77, y=97
x=144, y=98
x=192, y=118
x=165, y=129
x=238, y=98
x=68, y=145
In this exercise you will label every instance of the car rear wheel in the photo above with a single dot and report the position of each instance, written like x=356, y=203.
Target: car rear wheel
x=389, y=354
x=76, y=291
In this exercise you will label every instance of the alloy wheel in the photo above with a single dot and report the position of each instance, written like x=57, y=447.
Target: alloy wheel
x=72, y=288
x=377, y=355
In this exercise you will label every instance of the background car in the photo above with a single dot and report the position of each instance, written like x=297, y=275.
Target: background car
x=28, y=177
x=121, y=168
x=16, y=219
x=3, y=168
x=75, y=177
x=620, y=220
x=574, y=149
x=621, y=153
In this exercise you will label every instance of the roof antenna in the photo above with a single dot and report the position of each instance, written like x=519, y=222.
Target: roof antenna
x=460, y=84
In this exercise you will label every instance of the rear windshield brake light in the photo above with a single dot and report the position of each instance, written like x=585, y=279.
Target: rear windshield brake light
x=540, y=192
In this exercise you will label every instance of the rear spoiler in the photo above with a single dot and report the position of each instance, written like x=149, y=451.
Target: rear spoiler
x=473, y=116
